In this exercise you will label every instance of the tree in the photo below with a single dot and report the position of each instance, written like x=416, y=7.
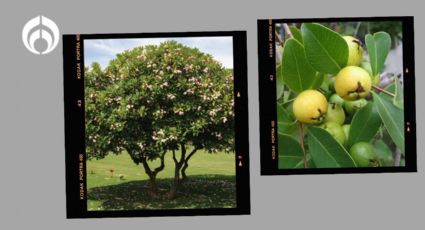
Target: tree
x=157, y=99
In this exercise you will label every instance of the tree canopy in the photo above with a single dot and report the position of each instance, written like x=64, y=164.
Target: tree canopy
x=158, y=98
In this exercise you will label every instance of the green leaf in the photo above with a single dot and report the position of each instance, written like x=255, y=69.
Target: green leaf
x=285, y=122
x=393, y=119
x=296, y=71
x=320, y=77
x=398, y=100
x=326, y=151
x=279, y=82
x=384, y=153
x=378, y=47
x=296, y=33
x=326, y=50
x=365, y=124
x=290, y=152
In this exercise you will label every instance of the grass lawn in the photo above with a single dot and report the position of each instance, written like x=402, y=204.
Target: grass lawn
x=210, y=183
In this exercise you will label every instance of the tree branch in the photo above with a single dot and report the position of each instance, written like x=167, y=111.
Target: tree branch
x=397, y=157
x=383, y=91
x=146, y=166
x=191, y=154
x=302, y=144
x=162, y=165
x=174, y=156
x=279, y=40
x=287, y=30
x=182, y=157
x=186, y=164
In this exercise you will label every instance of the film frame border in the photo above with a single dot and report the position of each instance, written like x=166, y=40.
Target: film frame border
x=75, y=159
x=267, y=97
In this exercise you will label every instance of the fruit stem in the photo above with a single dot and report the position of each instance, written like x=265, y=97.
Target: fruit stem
x=383, y=91
x=302, y=144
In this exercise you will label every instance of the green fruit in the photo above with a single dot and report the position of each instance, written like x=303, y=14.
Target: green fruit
x=353, y=83
x=364, y=155
x=335, y=114
x=336, y=100
x=335, y=130
x=310, y=107
x=346, y=129
x=351, y=107
x=375, y=79
x=355, y=51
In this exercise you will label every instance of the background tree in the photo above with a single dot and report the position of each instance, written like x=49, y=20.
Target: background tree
x=157, y=99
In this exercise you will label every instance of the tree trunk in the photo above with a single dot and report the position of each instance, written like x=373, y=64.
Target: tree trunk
x=176, y=182
x=180, y=170
x=153, y=191
x=153, y=188
x=178, y=164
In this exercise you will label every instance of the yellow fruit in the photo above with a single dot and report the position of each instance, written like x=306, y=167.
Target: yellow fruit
x=353, y=83
x=310, y=107
x=355, y=51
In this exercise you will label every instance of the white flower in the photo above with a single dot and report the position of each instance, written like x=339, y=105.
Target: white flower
x=170, y=96
x=206, y=70
x=164, y=84
x=188, y=91
x=212, y=113
x=142, y=146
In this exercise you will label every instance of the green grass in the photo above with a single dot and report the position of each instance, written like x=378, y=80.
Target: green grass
x=210, y=184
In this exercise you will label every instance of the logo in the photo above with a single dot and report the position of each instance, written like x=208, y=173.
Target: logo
x=37, y=28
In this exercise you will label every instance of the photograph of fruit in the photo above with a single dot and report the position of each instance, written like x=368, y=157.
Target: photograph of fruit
x=339, y=91
x=160, y=123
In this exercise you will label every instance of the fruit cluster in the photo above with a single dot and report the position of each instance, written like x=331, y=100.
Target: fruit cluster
x=351, y=87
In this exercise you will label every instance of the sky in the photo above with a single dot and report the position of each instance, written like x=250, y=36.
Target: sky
x=104, y=50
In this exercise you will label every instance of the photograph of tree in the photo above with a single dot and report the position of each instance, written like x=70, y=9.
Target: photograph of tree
x=339, y=91
x=159, y=123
